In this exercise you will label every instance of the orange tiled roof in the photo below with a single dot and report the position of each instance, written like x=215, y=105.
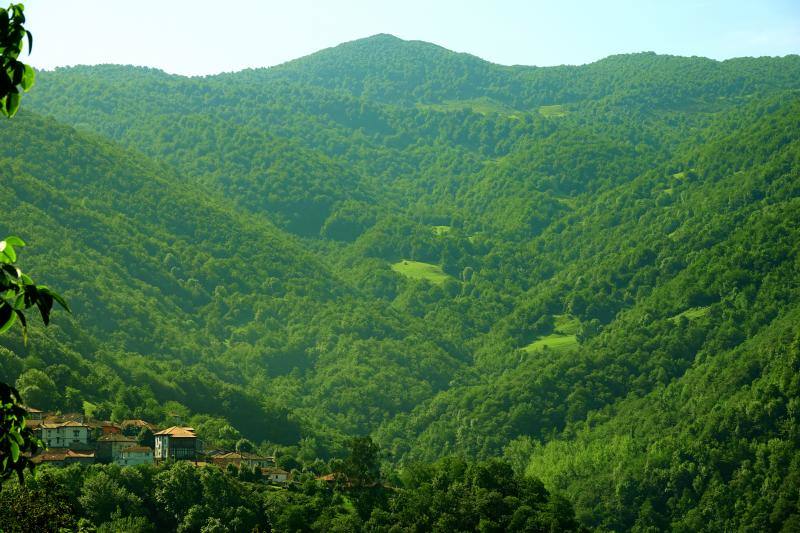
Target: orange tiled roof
x=242, y=455
x=177, y=431
x=60, y=455
x=67, y=424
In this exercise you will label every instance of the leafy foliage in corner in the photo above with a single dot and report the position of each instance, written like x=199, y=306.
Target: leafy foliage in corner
x=18, y=293
x=15, y=76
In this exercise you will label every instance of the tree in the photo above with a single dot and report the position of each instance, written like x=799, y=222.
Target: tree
x=101, y=496
x=38, y=389
x=244, y=446
x=177, y=489
x=362, y=467
x=18, y=292
x=146, y=438
x=15, y=76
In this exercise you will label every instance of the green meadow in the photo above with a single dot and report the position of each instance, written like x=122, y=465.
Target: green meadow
x=563, y=336
x=420, y=270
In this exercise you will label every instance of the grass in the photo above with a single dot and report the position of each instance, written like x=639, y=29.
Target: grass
x=420, y=270
x=441, y=230
x=568, y=201
x=692, y=313
x=483, y=105
x=563, y=336
x=552, y=111
x=566, y=324
x=682, y=174
x=553, y=341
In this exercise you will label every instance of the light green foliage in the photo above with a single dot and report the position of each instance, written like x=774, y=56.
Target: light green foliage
x=420, y=270
x=483, y=106
x=563, y=336
x=692, y=313
x=553, y=342
x=552, y=111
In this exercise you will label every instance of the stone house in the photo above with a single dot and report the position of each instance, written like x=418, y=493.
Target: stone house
x=64, y=434
x=178, y=443
x=135, y=455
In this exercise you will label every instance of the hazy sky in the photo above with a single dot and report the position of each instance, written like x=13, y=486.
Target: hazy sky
x=202, y=37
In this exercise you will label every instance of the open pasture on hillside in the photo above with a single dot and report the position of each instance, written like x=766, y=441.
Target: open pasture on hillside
x=692, y=313
x=552, y=111
x=483, y=105
x=563, y=336
x=420, y=270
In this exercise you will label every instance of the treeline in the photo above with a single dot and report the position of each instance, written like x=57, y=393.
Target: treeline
x=448, y=495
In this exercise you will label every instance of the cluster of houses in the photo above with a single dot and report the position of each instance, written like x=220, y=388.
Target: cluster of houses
x=72, y=438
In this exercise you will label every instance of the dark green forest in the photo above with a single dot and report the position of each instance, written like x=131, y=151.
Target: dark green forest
x=537, y=290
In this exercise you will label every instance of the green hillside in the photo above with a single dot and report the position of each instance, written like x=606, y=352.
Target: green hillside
x=588, y=271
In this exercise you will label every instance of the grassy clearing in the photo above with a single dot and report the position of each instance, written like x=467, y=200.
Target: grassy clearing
x=554, y=341
x=552, y=111
x=566, y=324
x=568, y=201
x=483, y=105
x=420, y=270
x=563, y=336
x=682, y=175
x=441, y=230
x=692, y=313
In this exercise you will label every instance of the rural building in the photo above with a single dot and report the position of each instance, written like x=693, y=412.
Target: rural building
x=63, y=457
x=275, y=475
x=242, y=458
x=64, y=434
x=135, y=455
x=34, y=418
x=176, y=443
x=33, y=414
x=110, y=447
x=108, y=428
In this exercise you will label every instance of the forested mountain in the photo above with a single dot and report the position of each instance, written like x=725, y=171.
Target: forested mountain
x=591, y=271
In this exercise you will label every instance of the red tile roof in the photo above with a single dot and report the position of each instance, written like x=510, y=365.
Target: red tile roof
x=67, y=424
x=177, y=431
x=241, y=455
x=56, y=455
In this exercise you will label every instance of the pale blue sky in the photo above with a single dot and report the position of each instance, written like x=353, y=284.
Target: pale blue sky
x=203, y=37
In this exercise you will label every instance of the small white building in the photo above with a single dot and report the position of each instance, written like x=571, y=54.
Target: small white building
x=64, y=434
x=135, y=455
x=110, y=446
x=275, y=475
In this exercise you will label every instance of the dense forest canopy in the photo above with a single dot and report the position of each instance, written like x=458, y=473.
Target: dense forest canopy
x=590, y=271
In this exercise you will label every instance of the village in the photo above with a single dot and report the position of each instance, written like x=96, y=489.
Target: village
x=72, y=438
